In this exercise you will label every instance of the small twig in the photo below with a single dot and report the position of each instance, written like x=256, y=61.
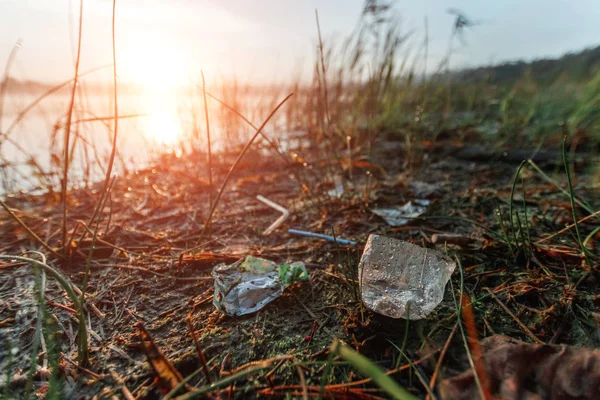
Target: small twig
x=82, y=337
x=451, y=238
x=193, y=249
x=232, y=376
x=62, y=307
x=87, y=371
x=121, y=249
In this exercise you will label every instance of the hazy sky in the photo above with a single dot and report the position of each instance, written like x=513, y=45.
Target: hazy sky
x=269, y=39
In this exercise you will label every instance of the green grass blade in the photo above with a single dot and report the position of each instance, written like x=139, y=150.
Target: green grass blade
x=327, y=372
x=572, y=199
x=582, y=203
x=511, y=202
x=367, y=368
x=505, y=231
x=68, y=287
x=590, y=236
x=527, y=225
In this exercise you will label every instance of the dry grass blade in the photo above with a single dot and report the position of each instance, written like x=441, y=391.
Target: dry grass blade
x=250, y=124
x=111, y=118
x=568, y=227
x=302, y=382
x=323, y=69
x=469, y=321
x=201, y=356
x=113, y=151
x=237, y=161
x=271, y=143
x=30, y=232
x=208, y=149
x=4, y=83
x=65, y=178
x=584, y=250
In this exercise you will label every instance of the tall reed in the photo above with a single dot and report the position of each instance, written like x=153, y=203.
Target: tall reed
x=65, y=179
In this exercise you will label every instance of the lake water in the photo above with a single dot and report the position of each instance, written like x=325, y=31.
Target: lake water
x=152, y=122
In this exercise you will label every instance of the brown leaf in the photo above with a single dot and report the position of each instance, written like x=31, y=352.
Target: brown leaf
x=518, y=370
x=168, y=376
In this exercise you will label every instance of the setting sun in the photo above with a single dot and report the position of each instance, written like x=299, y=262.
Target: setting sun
x=159, y=67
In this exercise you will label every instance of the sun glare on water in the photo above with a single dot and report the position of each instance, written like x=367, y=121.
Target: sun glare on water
x=158, y=68
x=164, y=127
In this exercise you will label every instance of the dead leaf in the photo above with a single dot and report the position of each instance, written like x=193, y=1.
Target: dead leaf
x=518, y=370
x=167, y=375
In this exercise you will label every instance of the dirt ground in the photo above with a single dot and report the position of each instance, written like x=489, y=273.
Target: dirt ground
x=535, y=290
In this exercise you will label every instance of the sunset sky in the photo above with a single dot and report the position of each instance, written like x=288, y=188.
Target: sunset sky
x=268, y=40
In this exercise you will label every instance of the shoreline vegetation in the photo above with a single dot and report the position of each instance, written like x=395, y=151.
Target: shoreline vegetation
x=105, y=284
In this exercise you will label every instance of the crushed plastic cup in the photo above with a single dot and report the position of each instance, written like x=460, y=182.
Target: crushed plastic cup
x=402, y=280
x=251, y=283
